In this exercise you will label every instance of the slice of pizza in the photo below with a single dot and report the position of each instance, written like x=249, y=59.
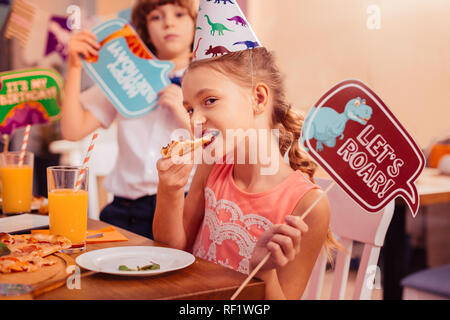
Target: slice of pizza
x=181, y=148
x=28, y=252
x=27, y=262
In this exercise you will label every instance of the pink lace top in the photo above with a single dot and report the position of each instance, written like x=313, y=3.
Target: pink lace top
x=235, y=219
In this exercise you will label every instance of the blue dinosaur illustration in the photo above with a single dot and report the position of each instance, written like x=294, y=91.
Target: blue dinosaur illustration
x=224, y=1
x=249, y=44
x=328, y=125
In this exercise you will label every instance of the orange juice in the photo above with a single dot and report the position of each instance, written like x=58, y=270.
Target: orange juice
x=17, y=188
x=68, y=214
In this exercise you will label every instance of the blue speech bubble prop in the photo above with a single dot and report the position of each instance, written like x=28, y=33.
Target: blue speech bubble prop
x=128, y=73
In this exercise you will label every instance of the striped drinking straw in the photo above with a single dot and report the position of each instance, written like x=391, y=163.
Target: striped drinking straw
x=85, y=162
x=23, y=148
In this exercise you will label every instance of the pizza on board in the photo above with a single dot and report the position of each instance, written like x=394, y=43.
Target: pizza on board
x=28, y=252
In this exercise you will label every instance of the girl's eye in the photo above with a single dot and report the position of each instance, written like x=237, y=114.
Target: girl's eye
x=210, y=101
x=180, y=14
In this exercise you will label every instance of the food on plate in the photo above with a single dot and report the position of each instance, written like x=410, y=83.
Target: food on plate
x=185, y=146
x=152, y=266
x=29, y=252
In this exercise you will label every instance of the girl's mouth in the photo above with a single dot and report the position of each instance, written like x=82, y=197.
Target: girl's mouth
x=213, y=132
x=208, y=133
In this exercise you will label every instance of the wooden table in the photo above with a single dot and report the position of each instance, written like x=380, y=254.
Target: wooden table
x=201, y=280
x=433, y=187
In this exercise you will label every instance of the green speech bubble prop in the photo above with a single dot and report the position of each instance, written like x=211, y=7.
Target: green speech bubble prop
x=29, y=97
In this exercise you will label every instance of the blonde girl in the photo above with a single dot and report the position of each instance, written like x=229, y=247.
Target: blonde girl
x=233, y=214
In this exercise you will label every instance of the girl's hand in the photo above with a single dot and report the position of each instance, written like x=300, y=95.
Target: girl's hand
x=172, y=97
x=82, y=43
x=174, y=176
x=282, y=241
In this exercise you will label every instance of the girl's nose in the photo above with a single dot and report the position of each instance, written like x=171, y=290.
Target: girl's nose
x=198, y=123
x=198, y=117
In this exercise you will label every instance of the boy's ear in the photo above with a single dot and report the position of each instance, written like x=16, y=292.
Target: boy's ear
x=260, y=97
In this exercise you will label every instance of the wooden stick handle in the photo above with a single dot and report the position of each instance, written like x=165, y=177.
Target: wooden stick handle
x=250, y=276
x=264, y=260
x=307, y=211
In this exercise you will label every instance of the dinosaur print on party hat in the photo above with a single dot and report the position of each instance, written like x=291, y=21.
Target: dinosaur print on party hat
x=221, y=29
x=238, y=20
x=216, y=27
x=249, y=44
x=224, y=1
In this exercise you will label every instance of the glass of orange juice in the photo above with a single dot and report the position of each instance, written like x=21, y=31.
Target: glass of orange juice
x=17, y=182
x=68, y=207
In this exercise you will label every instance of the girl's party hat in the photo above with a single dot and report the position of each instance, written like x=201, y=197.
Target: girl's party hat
x=222, y=28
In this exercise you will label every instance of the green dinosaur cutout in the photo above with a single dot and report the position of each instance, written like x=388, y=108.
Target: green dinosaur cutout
x=217, y=27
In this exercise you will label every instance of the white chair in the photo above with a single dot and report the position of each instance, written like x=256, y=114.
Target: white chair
x=349, y=222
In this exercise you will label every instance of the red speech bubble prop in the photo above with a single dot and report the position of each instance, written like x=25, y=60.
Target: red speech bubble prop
x=352, y=134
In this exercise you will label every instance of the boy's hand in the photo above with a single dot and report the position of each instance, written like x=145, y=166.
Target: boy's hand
x=282, y=241
x=82, y=43
x=172, y=97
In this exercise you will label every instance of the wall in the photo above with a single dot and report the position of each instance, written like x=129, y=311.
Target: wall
x=60, y=6
x=406, y=62
x=106, y=7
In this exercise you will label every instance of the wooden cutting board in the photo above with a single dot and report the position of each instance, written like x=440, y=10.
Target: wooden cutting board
x=46, y=278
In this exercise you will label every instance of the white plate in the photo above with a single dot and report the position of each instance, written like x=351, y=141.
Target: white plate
x=108, y=260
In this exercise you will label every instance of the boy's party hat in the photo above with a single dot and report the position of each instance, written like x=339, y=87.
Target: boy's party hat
x=222, y=28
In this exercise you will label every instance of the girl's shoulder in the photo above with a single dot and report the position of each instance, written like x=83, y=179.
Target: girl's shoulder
x=295, y=181
x=297, y=192
x=318, y=206
x=296, y=187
